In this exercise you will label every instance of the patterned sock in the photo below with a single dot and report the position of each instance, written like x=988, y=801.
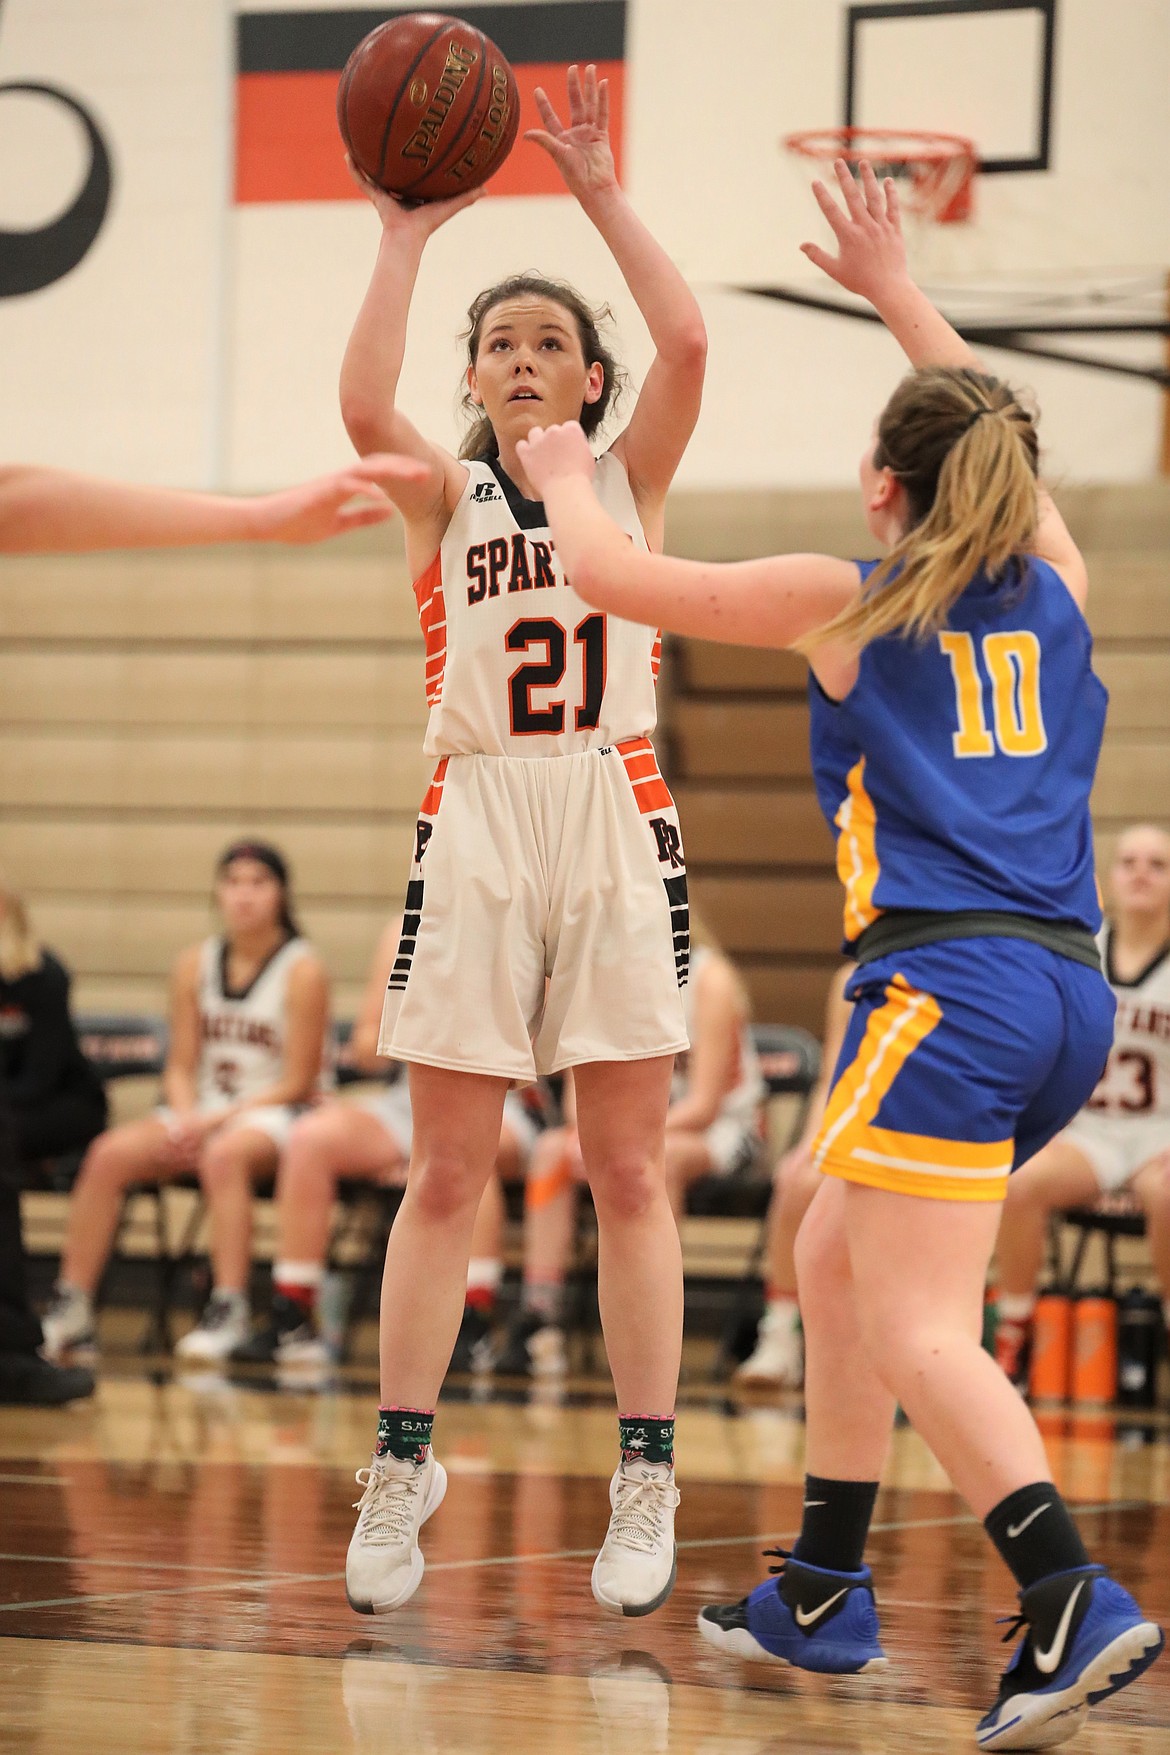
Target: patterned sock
x=647, y=1438
x=835, y=1523
x=544, y=1298
x=404, y=1433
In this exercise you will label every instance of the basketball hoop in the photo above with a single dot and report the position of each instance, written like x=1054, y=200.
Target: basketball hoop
x=935, y=173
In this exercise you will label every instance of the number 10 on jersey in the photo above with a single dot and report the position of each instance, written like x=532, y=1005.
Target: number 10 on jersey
x=530, y=718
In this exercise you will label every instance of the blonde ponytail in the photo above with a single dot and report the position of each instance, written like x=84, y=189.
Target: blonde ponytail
x=965, y=451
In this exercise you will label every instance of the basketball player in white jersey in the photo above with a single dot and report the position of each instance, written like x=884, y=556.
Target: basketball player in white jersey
x=248, y=1025
x=546, y=923
x=1121, y=1139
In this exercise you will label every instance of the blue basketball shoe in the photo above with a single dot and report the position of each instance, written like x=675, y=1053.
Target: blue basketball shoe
x=806, y=1616
x=1086, y=1639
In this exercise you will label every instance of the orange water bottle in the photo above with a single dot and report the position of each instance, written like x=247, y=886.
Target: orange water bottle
x=1052, y=1328
x=1094, y=1370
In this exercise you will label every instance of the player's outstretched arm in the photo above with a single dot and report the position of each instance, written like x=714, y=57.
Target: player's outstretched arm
x=871, y=261
x=56, y=511
x=771, y=602
x=668, y=405
x=373, y=358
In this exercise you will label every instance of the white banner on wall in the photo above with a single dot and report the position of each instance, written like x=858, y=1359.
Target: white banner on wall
x=198, y=336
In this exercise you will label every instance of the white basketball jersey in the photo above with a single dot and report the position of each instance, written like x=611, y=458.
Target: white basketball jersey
x=1136, y=1080
x=743, y=1100
x=516, y=663
x=242, y=1034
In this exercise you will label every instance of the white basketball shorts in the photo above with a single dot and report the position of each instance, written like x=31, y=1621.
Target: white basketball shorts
x=546, y=920
x=1117, y=1145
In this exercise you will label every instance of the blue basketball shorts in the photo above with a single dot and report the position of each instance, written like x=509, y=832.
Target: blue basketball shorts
x=961, y=1060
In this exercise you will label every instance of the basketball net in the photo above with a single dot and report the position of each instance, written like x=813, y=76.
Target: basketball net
x=935, y=175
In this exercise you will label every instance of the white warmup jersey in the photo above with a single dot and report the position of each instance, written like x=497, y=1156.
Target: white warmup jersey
x=1126, y=1121
x=242, y=1034
x=517, y=663
x=738, y=1122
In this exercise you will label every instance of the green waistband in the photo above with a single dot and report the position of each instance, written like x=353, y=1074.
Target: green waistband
x=905, y=929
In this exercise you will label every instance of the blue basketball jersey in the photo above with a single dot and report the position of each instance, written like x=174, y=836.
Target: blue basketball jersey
x=956, y=773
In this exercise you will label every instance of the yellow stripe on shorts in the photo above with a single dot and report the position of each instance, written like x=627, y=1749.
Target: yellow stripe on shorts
x=848, y=1145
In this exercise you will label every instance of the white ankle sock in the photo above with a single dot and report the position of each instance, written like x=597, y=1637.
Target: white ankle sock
x=1016, y=1306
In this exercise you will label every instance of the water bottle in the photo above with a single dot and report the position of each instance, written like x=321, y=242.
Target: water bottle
x=1051, y=1369
x=1139, y=1348
x=1094, y=1365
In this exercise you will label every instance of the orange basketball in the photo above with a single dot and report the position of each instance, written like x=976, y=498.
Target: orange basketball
x=427, y=106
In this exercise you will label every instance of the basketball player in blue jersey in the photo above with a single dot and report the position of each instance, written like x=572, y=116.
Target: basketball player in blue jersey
x=956, y=724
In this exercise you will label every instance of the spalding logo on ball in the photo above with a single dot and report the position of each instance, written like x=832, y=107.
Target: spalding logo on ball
x=428, y=106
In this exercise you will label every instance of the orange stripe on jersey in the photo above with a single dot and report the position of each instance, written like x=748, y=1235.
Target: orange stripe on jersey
x=430, y=803
x=432, y=618
x=656, y=656
x=650, y=789
x=857, y=860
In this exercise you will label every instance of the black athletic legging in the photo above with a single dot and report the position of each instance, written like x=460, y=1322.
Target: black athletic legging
x=66, y=1123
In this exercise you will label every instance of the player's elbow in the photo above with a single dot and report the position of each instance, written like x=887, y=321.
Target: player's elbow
x=365, y=422
x=690, y=346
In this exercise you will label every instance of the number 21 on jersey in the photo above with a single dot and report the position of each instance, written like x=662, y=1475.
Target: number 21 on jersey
x=1012, y=661
x=530, y=718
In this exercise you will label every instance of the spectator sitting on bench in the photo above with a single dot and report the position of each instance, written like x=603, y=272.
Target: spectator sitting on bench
x=248, y=1022
x=54, y=1099
x=369, y=1139
x=1121, y=1139
x=778, y=1356
x=713, y=1128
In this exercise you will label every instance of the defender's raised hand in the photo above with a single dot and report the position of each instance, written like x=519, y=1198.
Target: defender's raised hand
x=582, y=151
x=868, y=229
x=553, y=453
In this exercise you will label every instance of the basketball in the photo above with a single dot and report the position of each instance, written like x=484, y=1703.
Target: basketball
x=427, y=106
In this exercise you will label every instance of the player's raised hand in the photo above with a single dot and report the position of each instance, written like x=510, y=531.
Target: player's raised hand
x=422, y=217
x=582, y=151
x=552, y=453
x=333, y=504
x=867, y=224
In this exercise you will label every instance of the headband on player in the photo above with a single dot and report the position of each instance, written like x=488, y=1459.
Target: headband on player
x=262, y=852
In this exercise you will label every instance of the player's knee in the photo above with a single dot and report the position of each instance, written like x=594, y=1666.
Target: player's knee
x=311, y=1149
x=221, y=1162
x=445, y=1186
x=106, y=1164
x=626, y=1186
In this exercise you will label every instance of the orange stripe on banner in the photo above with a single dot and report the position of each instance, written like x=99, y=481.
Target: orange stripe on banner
x=430, y=803
x=288, y=147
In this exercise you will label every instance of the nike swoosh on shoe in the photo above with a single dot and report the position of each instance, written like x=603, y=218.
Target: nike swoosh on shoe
x=803, y=1620
x=1049, y=1661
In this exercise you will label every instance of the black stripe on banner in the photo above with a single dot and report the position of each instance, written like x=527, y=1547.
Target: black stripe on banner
x=321, y=42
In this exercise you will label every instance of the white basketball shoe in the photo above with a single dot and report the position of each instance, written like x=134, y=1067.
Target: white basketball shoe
x=635, y=1570
x=384, y=1564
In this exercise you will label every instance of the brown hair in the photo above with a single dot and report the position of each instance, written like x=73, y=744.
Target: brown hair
x=966, y=452
x=265, y=854
x=481, y=440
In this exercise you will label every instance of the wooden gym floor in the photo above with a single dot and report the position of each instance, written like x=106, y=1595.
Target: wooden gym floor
x=172, y=1558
